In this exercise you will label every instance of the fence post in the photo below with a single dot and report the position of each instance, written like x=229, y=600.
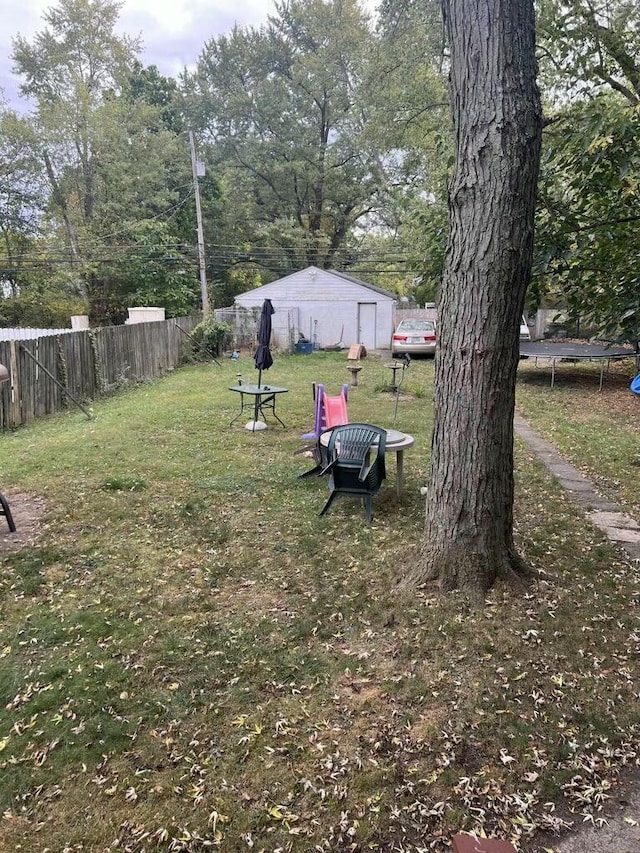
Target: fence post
x=14, y=407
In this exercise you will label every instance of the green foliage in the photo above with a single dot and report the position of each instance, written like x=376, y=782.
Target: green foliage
x=67, y=69
x=409, y=118
x=408, y=72
x=212, y=335
x=226, y=284
x=147, y=85
x=21, y=196
x=40, y=309
x=327, y=140
x=152, y=271
x=316, y=123
x=118, y=170
x=590, y=46
x=77, y=54
x=285, y=106
x=588, y=255
x=426, y=232
x=587, y=247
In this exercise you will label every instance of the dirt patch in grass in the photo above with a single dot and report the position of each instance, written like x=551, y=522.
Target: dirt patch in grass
x=27, y=511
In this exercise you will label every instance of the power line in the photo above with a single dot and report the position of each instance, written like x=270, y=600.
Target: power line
x=277, y=260
x=237, y=254
x=356, y=270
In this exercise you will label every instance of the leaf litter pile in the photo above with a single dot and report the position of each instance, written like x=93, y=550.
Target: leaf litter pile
x=192, y=659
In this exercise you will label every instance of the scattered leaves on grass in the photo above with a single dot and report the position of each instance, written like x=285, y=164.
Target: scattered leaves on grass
x=213, y=666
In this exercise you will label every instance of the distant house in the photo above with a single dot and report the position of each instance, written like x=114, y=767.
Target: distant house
x=326, y=307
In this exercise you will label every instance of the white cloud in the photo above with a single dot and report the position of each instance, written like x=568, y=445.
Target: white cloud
x=173, y=32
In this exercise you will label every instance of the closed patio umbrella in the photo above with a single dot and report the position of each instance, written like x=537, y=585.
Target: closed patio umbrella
x=262, y=358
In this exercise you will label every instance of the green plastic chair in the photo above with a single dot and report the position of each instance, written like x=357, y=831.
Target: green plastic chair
x=356, y=463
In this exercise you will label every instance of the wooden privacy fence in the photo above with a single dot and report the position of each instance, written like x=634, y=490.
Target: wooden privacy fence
x=429, y=312
x=87, y=363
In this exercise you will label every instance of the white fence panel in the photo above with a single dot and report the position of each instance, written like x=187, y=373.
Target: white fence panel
x=30, y=334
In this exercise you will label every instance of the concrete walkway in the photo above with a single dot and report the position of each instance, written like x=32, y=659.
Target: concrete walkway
x=606, y=515
x=622, y=833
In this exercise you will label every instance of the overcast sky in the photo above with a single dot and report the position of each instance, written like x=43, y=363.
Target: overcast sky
x=173, y=32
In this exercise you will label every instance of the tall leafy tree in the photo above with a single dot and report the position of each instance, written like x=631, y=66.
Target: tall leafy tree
x=67, y=69
x=469, y=541
x=409, y=118
x=283, y=107
x=590, y=45
x=588, y=230
x=164, y=157
x=587, y=245
x=147, y=85
x=22, y=198
x=107, y=131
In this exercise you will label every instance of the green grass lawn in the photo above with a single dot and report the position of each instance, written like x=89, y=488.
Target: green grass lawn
x=190, y=658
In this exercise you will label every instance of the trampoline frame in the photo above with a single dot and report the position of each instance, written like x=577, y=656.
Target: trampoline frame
x=554, y=351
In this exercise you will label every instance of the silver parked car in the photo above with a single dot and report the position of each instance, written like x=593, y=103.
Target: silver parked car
x=416, y=337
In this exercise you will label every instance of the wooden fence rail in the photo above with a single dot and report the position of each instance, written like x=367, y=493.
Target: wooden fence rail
x=87, y=363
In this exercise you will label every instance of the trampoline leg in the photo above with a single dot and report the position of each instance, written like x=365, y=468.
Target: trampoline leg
x=553, y=372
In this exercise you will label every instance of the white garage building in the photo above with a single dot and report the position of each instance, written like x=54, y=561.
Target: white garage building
x=327, y=308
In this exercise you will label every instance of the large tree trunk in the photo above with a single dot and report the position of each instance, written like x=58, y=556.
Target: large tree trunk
x=497, y=120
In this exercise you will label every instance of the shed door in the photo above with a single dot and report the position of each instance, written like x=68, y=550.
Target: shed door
x=367, y=324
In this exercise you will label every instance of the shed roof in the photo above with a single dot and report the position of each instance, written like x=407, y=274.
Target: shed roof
x=337, y=274
x=355, y=280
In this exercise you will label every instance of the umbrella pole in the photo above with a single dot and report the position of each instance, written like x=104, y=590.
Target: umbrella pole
x=257, y=403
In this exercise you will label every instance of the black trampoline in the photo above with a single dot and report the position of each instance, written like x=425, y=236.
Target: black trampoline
x=555, y=351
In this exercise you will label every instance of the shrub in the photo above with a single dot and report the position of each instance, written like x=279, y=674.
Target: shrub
x=212, y=335
x=40, y=310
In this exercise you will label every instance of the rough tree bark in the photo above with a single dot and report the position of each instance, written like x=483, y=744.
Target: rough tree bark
x=497, y=120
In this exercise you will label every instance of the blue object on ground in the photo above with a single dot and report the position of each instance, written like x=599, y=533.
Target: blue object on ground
x=635, y=385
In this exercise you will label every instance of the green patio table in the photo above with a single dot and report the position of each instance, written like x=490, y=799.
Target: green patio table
x=262, y=397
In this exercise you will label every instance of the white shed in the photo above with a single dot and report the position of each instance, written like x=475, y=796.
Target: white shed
x=326, y=307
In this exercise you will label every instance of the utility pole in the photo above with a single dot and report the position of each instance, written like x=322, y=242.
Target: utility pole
x=201, y=257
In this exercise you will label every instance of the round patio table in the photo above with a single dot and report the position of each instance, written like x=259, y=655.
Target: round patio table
x=397, y=442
